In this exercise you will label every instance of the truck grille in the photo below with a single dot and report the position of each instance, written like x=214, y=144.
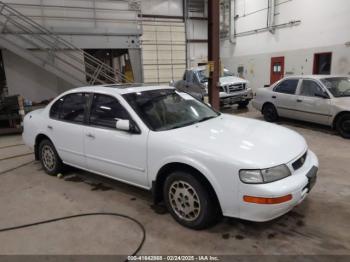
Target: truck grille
x=235, y=87
x=300, y=162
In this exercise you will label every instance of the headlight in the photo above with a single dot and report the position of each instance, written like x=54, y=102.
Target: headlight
x=260, y=176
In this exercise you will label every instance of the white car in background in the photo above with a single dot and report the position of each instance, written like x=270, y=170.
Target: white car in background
x=319, y=99
x=201, y=163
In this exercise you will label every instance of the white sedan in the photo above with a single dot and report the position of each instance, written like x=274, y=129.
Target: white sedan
x=318, y=99
x=200, y=163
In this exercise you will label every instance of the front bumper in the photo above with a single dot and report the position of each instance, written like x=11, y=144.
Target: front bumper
x=297, y=185
x=236, y=97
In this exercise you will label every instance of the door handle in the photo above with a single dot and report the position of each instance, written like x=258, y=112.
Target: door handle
x=90, y=135
x=274, y=97
x=299, y=100
x=50, y=127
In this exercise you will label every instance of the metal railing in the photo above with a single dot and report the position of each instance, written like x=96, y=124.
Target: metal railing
x=24, y=32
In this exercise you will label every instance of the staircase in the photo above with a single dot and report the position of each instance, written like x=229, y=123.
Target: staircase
x=30, y=40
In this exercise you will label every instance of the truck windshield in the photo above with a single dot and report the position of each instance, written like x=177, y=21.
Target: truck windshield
x=338, y=86
x=167, y=109
x=202, y=76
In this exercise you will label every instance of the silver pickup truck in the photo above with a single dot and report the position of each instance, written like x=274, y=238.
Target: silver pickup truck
x=233, y=90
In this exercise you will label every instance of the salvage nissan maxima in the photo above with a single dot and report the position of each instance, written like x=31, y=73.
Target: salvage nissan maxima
x=202, y=164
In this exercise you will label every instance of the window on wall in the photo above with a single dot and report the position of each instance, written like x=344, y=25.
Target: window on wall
x=322, y=64
x=277, y=68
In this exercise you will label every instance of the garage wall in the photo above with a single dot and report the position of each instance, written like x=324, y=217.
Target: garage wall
x=197, y=35
x=162, y=7
x=324, y=28
x=163, y=50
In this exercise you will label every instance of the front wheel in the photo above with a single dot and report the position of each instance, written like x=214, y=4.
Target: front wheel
x=189, y=202
x=243, y=104
x=343, y=126
x=270, y=113
x=49, y=158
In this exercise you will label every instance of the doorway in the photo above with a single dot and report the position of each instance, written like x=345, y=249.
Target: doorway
x=277, y=69
x=322, y=63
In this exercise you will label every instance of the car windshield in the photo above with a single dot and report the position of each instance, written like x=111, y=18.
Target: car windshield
x=167, y=109
x=227, y=73
x=338, y=86
x=202, y=76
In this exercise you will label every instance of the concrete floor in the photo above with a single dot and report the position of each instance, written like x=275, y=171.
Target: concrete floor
x=320, y=225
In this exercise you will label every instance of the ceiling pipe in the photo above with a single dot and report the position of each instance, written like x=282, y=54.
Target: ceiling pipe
x=271, y=16
x=232, y=23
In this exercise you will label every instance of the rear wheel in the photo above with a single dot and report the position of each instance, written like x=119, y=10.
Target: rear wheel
x=49, y=158
x=189, y=202
x=343, y=125
x=270, y=113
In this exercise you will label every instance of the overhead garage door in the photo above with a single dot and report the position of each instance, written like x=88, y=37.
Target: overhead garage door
x=164, y=51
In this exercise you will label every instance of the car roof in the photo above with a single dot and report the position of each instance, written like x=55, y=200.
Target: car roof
x=120, y=89
x=313, y=76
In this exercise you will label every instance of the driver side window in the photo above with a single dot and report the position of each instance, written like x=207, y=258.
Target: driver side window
x=106, y=111
x=310, y=88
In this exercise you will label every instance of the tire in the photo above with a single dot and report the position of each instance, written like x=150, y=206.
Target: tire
x=243, y=104
x=270, y=113
x=343, y=126
x=49, y=158
x=179, y=188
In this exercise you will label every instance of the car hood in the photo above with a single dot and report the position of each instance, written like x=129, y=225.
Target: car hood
x=342, y=102
x=231, y=80
x=246, y=142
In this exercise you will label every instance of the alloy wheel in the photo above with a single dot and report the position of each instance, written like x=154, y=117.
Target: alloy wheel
x=184, y=200
x=48, y=157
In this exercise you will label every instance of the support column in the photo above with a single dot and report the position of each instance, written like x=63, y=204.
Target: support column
x=214, y=52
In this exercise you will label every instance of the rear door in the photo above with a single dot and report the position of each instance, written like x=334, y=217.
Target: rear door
x=310, y=107
x=284, y=97
x=65, y=127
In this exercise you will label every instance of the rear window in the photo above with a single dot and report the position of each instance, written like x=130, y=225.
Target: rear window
x=288, y=86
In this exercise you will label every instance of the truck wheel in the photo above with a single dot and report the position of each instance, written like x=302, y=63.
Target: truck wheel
x=270, y=113
x=189, y=202
x=49, y=158
x=243, y=104
x=343, y=126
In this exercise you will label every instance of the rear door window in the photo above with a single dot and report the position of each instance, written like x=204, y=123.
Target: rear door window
x=288, y=86
x=73, y=107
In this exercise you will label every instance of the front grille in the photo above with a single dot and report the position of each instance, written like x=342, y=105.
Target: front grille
x=300, y=162
x=235, y=87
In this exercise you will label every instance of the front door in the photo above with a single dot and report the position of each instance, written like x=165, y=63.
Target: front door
x=277, y=69
x=310, y=107
x=111, y=152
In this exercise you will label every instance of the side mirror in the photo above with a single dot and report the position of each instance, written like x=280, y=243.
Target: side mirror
x=321, y=94
x=208, y=104
x=267, y=85
x=171, y=83
x=123, y=125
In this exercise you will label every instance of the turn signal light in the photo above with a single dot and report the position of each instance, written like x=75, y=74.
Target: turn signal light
x=267, y=201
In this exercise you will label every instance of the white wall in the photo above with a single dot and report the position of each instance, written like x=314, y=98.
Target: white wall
x=324, y=28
